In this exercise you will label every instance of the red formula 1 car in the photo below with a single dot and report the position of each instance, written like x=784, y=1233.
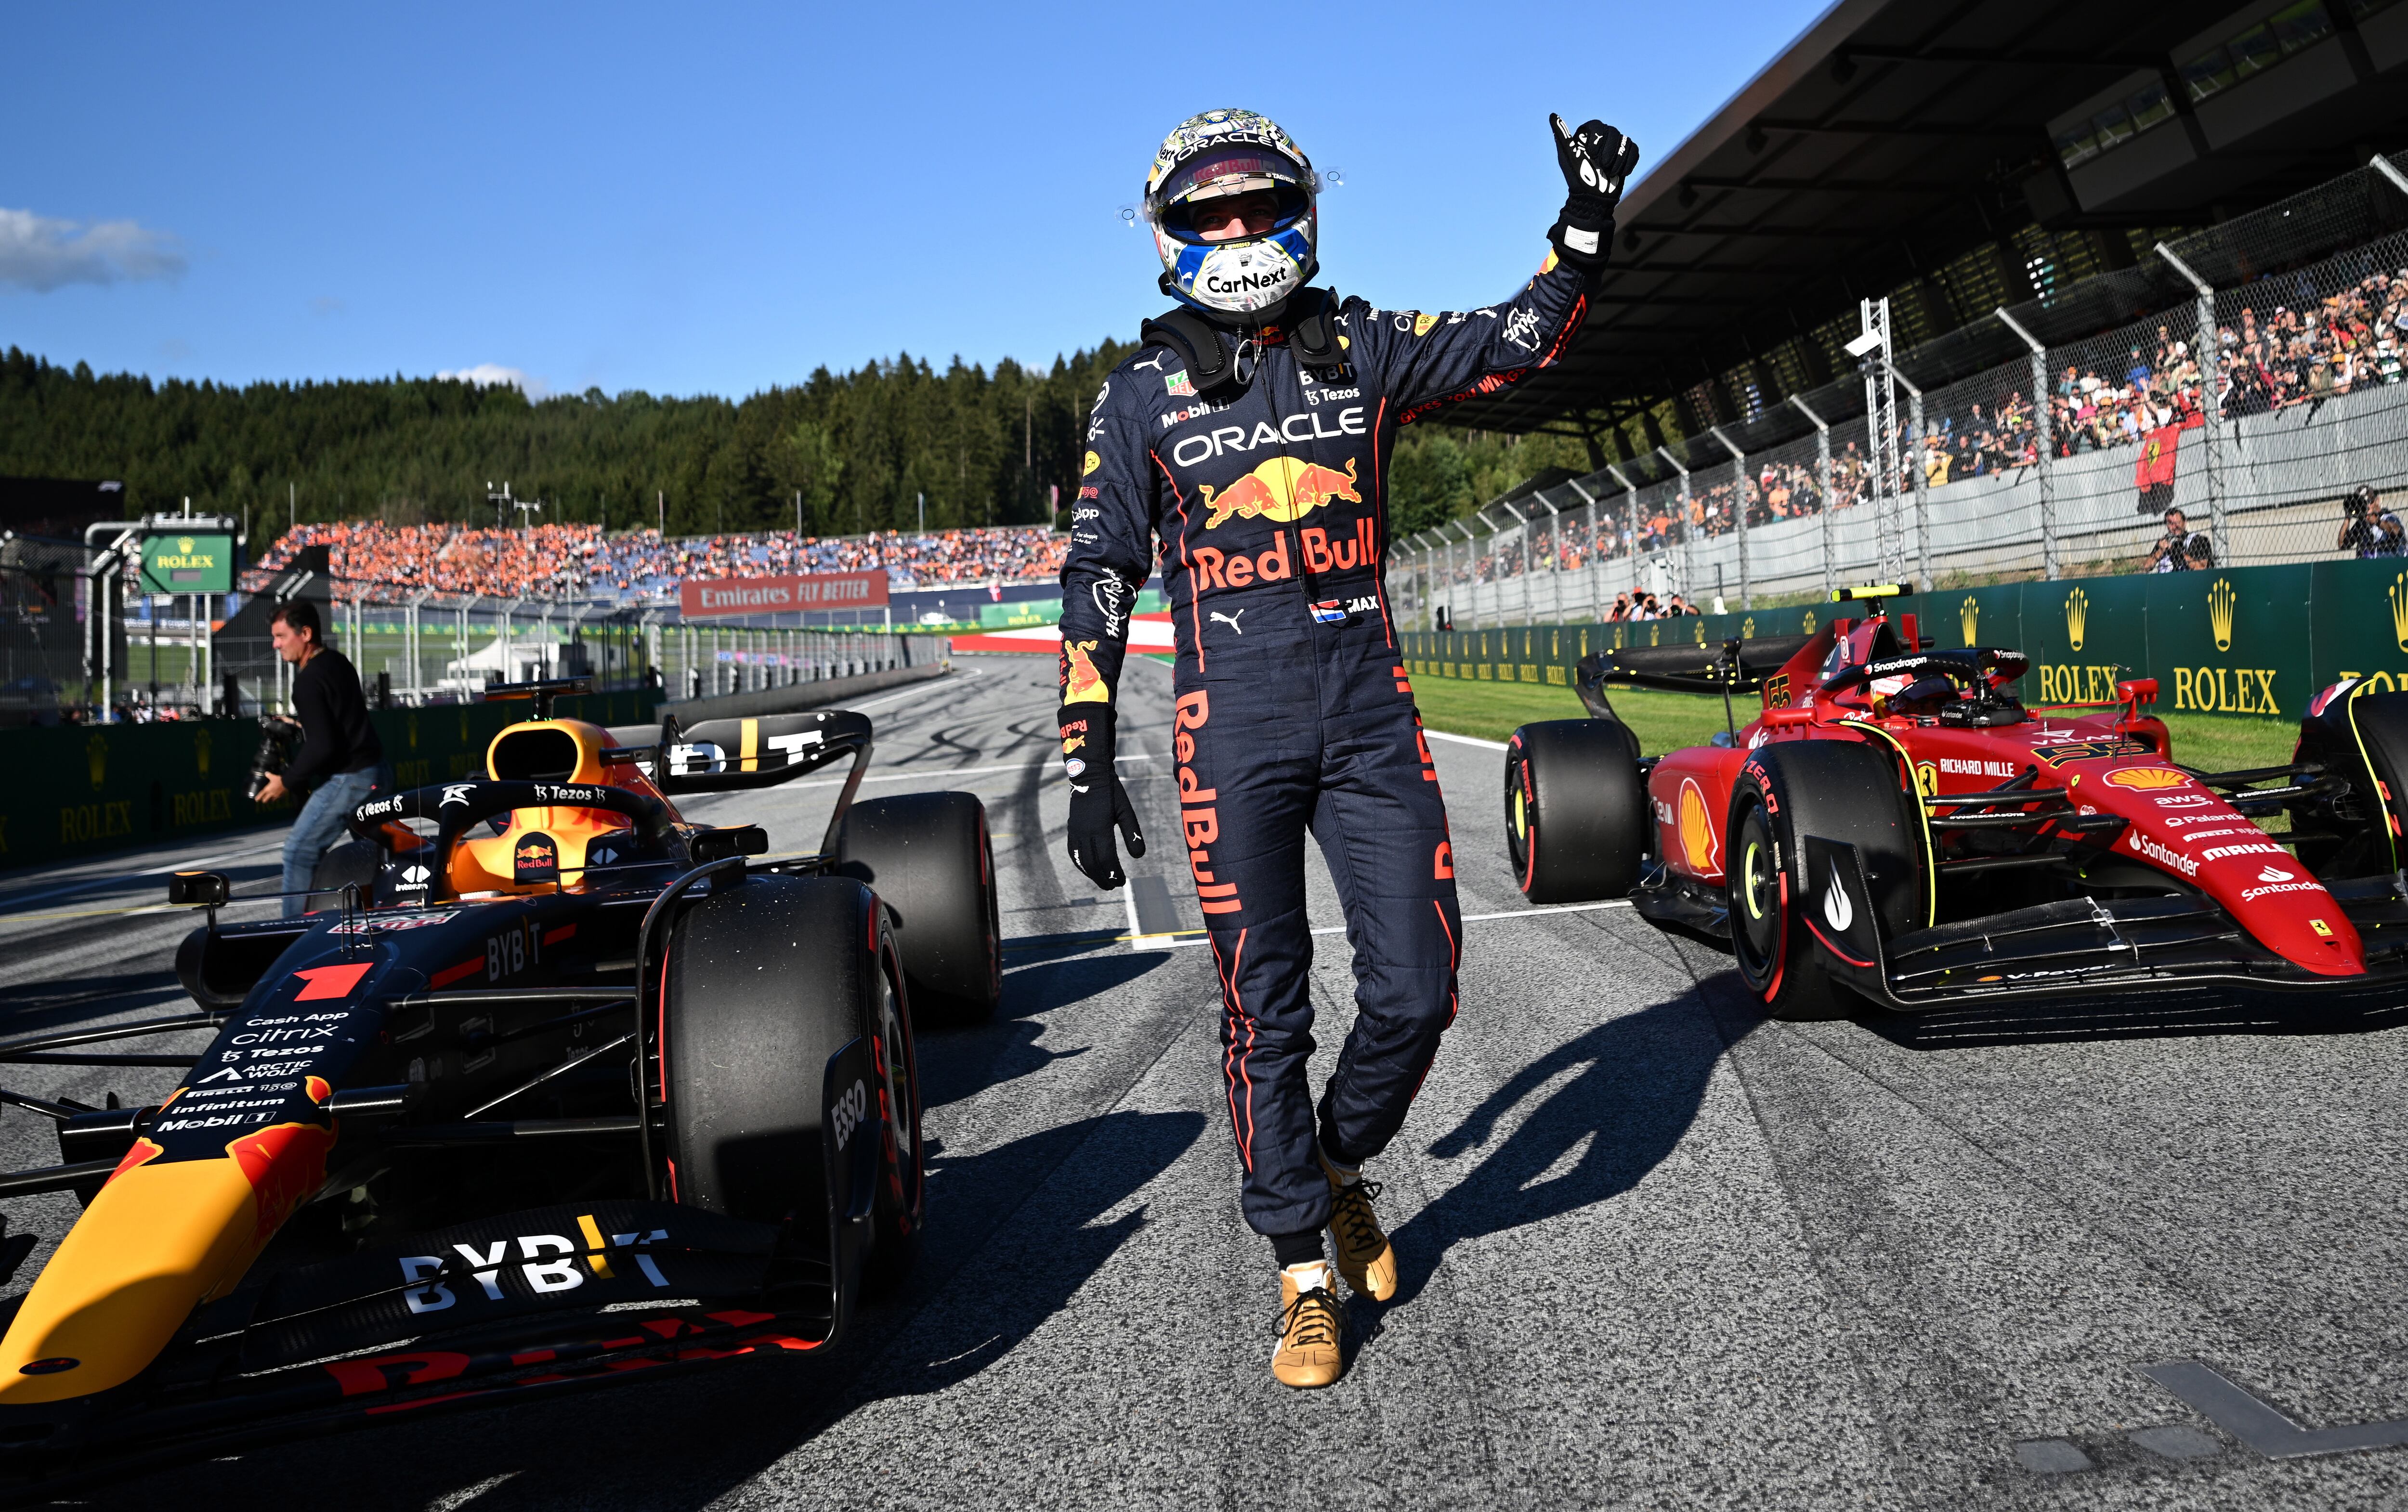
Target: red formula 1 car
x=552, y=1088
x=1892, y=825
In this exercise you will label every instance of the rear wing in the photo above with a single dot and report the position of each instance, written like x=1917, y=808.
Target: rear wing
x=1714, y=667
x=739, y=755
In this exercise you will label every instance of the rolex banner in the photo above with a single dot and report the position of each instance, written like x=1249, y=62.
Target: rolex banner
x=2252, y=641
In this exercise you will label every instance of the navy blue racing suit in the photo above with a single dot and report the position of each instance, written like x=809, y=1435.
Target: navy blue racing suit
x=1294, y=712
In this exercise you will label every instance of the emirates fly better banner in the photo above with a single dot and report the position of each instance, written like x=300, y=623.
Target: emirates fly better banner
x=783, y=595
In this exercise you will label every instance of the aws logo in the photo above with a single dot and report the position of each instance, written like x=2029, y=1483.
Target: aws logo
x=1282, y=489
x=1293, y=430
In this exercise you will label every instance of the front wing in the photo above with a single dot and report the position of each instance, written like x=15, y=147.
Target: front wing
x=2081, y=946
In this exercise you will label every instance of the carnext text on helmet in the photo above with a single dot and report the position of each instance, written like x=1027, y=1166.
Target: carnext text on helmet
x=1194, y=449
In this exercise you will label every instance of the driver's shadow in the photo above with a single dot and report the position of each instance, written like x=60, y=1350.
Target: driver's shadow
x=1623, y=1094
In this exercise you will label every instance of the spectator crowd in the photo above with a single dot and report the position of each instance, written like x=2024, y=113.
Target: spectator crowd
x=394, y=563
x=2302, y=354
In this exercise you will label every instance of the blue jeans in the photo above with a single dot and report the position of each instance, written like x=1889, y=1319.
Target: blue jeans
x=317, y=830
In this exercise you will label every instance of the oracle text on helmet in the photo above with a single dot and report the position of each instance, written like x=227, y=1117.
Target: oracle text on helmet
x=1192, y=449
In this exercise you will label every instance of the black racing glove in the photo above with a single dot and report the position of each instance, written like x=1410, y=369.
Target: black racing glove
x=1596, y=160
x=1097, y=799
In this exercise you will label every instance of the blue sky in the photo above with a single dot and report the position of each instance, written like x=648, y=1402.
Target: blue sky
x=717, y=199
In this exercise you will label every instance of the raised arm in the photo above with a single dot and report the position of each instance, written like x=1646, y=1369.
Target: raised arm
x=1430, y=360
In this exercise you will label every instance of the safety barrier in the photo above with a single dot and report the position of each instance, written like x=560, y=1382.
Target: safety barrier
x=2253, y=641
x=83, y=790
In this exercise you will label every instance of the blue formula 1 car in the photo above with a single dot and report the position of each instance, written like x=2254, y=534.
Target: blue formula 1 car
x=551, y=1087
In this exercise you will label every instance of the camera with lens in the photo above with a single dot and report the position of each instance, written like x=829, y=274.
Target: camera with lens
x=278, y=738
x=2360, y=501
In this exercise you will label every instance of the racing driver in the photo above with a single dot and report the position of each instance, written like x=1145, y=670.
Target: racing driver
x=1251, y=436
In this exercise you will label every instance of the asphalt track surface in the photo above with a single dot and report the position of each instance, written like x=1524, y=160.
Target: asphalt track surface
x=1657, y=1252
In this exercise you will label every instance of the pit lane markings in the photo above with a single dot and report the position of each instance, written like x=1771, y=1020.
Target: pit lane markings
x=2258, y=1424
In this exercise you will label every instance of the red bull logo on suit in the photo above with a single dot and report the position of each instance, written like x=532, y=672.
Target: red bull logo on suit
x=1282, y=489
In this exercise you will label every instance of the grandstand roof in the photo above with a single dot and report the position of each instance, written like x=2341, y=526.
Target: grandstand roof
x=1962, y=148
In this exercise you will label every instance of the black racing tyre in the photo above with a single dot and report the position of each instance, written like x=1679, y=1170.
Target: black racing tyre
x=1576, y=825
x=763, y=984
x=353, y=861
x=927, y=857
x=2364, y=739
x=1838, y=790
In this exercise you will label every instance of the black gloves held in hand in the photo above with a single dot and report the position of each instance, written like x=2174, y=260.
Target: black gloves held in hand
x=1596, y=160
x=1097, y=801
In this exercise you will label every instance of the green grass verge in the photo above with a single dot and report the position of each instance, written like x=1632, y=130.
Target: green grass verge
x=1664, y=721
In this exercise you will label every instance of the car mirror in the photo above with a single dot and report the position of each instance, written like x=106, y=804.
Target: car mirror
x=198, y=889
x=734, y=840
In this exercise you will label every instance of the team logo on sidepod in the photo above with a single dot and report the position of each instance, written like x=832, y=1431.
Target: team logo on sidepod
x=1698, y=847
x=2146, y=779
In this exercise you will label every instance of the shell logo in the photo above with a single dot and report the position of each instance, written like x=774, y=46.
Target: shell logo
x=1698, y=844
x=2145, y=778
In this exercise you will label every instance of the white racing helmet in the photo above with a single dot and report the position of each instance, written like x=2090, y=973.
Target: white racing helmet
x=1212, y=156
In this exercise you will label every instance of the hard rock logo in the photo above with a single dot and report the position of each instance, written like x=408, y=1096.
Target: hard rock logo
x=1282, y=489
x=1968, y=620
x=2077, y=615
x=2220, y=613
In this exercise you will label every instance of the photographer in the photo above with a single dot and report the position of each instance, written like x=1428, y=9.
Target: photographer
x=2181, y=549
x=339, y=755
x=2368, y=530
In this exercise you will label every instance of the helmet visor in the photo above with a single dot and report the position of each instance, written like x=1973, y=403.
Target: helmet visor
x=1240, y=168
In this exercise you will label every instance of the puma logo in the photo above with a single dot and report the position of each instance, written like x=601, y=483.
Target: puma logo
x=1230, y=619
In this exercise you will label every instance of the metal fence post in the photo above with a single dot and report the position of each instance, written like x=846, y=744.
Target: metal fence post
x=1822, y=486
x=1687, y=585
x=1596, y=561
x=1630, y=507
x=2044, y=448
x=1922, y=481
x=1524, y=545
x=1739, y=512
x=2208, y=351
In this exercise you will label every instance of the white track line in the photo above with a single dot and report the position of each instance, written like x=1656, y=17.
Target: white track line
x=1464, y=740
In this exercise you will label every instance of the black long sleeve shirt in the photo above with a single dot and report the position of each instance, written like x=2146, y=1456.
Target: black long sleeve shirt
x=335, y=734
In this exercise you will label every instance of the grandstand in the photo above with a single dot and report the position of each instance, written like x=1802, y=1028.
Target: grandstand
x=2050, y=325
x=392, y=563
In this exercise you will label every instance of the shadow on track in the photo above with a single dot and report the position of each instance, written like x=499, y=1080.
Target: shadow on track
x=956, y=1064
x=1634, y=1086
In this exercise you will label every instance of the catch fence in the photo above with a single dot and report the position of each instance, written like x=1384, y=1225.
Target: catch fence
x=2248, y=377
x=437, y=650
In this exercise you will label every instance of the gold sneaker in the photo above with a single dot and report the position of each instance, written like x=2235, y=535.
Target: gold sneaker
x=1365, y=1256
x=1310, y=1322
